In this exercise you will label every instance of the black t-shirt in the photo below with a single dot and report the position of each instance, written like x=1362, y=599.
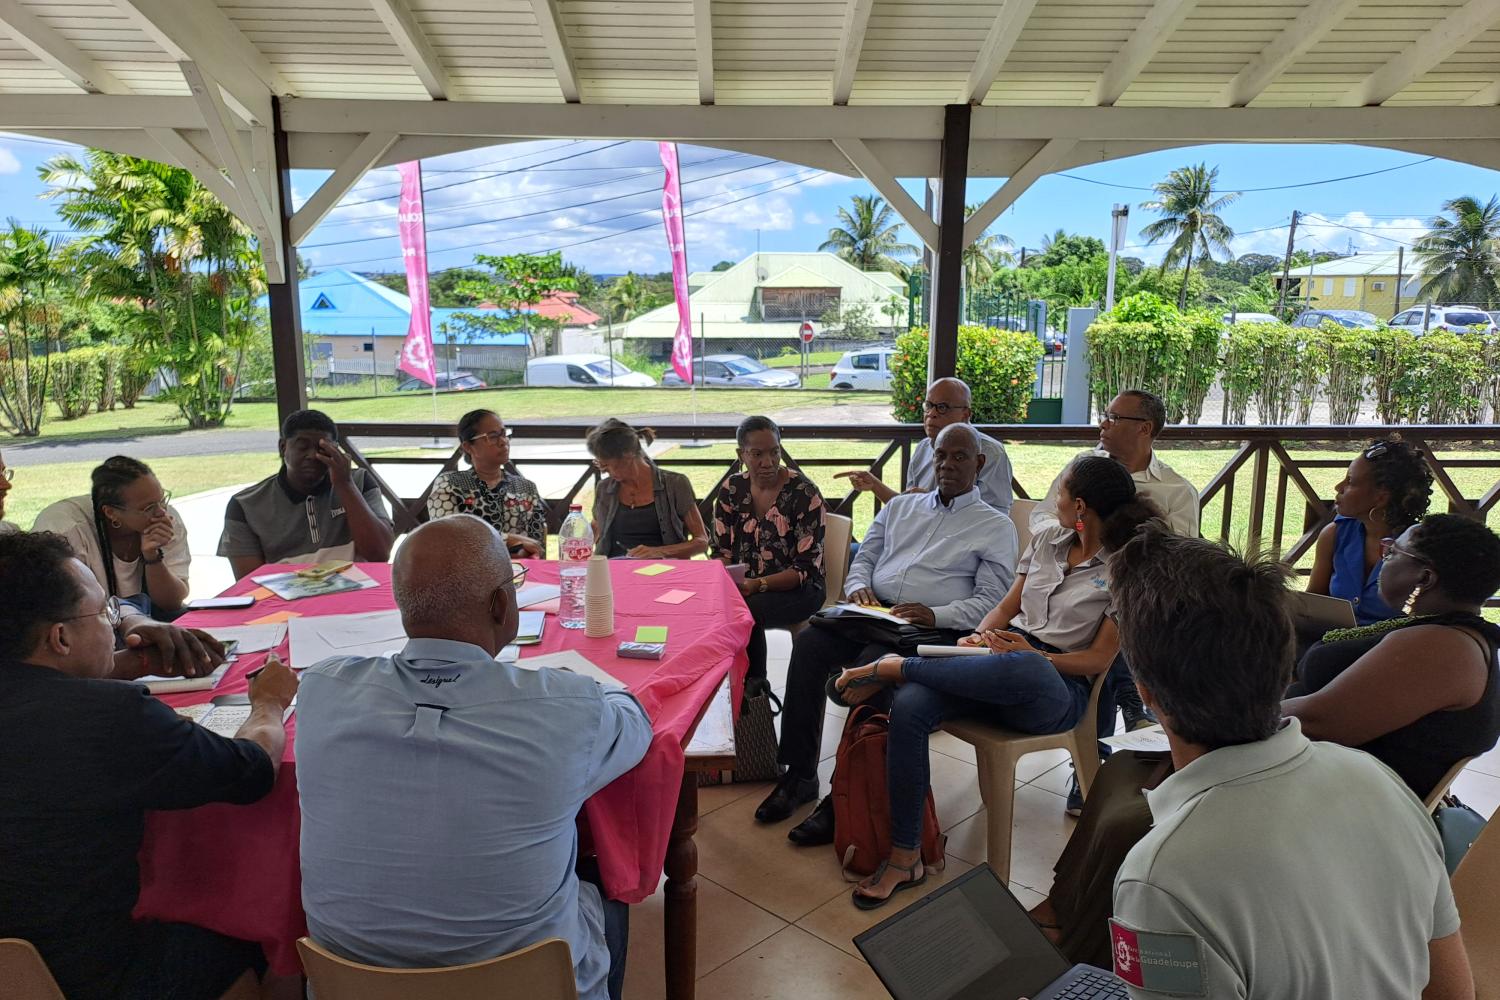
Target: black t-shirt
x=80, y=763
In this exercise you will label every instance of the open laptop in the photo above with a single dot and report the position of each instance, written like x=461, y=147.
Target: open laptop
x=972, y=940
x=1317, y=611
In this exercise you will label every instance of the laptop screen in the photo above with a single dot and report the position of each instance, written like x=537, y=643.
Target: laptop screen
x=969, y=940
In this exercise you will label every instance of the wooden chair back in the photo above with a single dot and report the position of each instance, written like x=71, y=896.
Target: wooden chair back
x=23, y=974
x=1476, y=889
x=544, y=971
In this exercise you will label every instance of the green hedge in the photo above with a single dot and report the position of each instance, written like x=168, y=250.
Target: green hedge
x=998, y=365
x=75, y=381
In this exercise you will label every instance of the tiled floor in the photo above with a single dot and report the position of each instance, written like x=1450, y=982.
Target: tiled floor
x=775, y=920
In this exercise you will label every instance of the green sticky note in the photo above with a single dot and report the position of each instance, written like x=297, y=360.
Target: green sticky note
x=651, y=633
x=655, y=569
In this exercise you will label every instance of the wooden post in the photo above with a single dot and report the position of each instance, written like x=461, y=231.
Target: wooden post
x=680, y=918
x=942, y=358
x=285, y=303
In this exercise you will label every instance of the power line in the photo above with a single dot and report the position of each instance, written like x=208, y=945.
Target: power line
x=1278, y=187
x=498, y=173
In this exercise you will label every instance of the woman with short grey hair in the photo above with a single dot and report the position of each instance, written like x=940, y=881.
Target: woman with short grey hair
x=640, y=510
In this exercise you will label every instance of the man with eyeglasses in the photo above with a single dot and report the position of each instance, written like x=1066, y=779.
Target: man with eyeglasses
x=1127, y=432
x=948, y=402
x=440, y=788
x=318, y=507
x=83, y=755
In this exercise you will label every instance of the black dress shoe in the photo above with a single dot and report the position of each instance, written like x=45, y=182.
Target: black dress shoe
x=817, y=829
x=789, y=793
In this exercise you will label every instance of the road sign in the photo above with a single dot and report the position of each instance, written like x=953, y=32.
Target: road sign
x=806, y=332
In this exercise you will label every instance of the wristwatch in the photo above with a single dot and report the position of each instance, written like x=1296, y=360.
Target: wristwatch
x=763, y=586
x=160, y=555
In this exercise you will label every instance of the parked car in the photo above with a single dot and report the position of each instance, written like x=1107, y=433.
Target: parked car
x=869, y=368
x=1455, y=319
x=1354, y=319
x=583, y=369
x=1239, y=317
x=457, y=381
x=735, y=371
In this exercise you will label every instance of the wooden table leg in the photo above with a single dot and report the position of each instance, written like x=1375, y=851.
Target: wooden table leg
x=680, y=909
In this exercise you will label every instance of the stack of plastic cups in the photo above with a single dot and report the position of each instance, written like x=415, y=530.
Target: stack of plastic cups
x=598, y=600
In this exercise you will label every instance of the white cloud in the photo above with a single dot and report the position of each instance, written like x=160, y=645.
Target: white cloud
x=1337, y=233
x=812, y=218
x=9, y=164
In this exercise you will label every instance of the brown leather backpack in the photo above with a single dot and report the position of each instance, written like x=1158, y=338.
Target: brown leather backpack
x=861, y=807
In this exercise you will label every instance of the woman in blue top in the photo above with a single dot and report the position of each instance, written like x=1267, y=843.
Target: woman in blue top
x=1386, y=490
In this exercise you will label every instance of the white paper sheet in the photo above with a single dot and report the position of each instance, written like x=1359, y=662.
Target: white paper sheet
x=953, y=650
x=252, y=638
x=375, y=633
x=529, y=625
x=159, y=684
x=1151, y=740
x=569, y=659
x=872, y=612
x=537, y=593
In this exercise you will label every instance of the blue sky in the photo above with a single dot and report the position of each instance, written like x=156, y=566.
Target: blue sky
x=587, y=197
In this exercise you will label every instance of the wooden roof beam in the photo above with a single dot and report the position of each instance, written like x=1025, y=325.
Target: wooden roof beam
x=409, y=37
x=57, y=52
x=555, y=39
x=1448, y=36
x=1043, y=162
x=870, y=167
x=358, y=163
x=1309, y=27
x=998, y=42
x=851, y=44
x=1136, y=54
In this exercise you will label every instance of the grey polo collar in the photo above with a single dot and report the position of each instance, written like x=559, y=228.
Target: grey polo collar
x=1224, y=765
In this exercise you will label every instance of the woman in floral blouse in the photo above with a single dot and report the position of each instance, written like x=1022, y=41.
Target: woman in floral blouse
x=770, y=519
x=505, y=499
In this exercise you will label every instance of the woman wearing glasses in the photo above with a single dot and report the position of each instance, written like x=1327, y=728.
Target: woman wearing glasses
x=127, y=532
x=1419, y=693
x=490, y=490
x=1385, y=491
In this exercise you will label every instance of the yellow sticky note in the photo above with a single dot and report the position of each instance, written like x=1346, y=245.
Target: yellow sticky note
x=655, y=569
x=651, y=633
x=275, y=619
x=260, y=593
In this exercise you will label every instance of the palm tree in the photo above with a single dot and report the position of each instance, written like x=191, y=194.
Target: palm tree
x=33, y=280
x=1189, y=218
x=1460, y=254
x=625, y=296
x=868, y=237
x=981, y=257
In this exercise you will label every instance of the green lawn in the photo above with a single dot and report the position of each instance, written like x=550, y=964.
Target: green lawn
x=512, y=404
x=816, y=359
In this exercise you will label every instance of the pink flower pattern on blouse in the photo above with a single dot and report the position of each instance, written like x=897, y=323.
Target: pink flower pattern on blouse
x=788, y=536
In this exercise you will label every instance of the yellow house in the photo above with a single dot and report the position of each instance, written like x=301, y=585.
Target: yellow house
x=1365, y=281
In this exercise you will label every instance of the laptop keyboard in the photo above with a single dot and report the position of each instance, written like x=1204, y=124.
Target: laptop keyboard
x=1092, y=986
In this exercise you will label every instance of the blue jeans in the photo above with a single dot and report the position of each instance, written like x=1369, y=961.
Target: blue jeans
x=1020, y=691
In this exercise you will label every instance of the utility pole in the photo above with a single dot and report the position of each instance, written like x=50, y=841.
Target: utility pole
x=1118, y=219
x=1400, y=265
x=1286, y=267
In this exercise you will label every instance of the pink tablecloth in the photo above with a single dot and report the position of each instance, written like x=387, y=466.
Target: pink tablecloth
x=235, y=869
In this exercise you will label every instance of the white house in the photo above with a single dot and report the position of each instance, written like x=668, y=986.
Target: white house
x=758, y=306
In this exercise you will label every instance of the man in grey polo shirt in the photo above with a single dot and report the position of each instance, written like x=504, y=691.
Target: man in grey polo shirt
x=317, y=507
x=948, y=402
x=1276, y=867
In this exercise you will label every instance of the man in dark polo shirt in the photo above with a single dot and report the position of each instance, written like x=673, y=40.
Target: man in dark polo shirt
x=83, y=755
x=316, y=508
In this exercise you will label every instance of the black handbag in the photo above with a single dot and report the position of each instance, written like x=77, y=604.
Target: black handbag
x=754, y=738
x=904, y=638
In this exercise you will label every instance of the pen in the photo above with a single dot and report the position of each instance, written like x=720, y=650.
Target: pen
x=254, y=673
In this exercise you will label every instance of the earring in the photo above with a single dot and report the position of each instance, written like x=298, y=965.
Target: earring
x=113, y=523
x=1411, y=600
x=1078, y=524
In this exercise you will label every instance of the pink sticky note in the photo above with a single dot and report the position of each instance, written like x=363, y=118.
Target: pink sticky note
x=273, y=619
x=675, y=596
x=260, y=593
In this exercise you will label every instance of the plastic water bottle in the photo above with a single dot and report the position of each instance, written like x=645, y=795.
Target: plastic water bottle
x=575, y=542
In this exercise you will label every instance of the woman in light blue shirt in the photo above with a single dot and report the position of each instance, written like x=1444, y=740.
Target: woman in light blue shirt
x=1385, y=491
x=1049, y=636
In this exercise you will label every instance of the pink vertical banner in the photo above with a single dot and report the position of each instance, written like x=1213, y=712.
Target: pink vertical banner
x=416, y=351
x=671, y=217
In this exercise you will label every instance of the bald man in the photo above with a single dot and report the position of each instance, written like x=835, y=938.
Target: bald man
x=440, y=787
x=948, y=402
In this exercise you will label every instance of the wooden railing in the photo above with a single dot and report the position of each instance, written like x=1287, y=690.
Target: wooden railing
x=1266, y=473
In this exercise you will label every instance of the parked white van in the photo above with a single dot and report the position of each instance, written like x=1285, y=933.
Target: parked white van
x=583, y=369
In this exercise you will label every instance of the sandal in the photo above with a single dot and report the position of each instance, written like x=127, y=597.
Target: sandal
x=836, y=693
x=867, y=902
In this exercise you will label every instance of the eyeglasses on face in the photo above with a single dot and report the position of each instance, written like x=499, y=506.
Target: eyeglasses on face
x=1389, y=549
x=154, y=509
x=110, y=612
x=518, y=577
x=1111, y=417
x=941, y=409
x=7, y=474
x=492, y=437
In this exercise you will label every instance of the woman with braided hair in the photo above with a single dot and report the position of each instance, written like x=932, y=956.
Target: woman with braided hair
x=126, y=531
x=1386, y=490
